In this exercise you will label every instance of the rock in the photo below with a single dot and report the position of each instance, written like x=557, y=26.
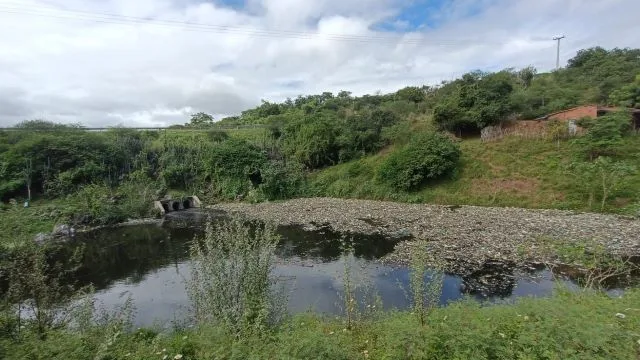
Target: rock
x=401, y=234
x=41, y=238
x=467, y=236
x=62, y=230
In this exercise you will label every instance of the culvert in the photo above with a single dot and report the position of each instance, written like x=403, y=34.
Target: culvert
x=166, y=206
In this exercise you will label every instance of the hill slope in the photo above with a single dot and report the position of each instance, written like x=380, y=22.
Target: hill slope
x=513, y=172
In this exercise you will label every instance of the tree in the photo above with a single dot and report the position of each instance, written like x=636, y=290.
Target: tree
x=411, y=93
x=28, y=176
x=628, y=95
x=267, y=108
x=312, y=141
x=586, y=57
x=200, y=120
x=39, y=124
x=526, y=76
x=344, y=94
x=480, y=100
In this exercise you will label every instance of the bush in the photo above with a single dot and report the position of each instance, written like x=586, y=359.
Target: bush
x=231, y=277
x=428, y=156
x=605, y=134
x=312, y=141
x=282, y=181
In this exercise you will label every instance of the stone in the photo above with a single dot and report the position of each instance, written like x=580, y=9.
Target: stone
x=467, y=237
x=63, y=230
x=490, y=133
x=572, y=127
x=41, y=238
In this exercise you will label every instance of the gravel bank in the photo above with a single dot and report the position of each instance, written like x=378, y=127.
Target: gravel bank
x=463, y=234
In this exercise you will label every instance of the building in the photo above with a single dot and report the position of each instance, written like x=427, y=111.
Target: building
x=591, y=111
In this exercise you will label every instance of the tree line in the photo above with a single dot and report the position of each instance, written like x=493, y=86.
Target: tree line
x=308, y=133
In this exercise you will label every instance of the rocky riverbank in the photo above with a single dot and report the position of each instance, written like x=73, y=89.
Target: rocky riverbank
x=468, y=236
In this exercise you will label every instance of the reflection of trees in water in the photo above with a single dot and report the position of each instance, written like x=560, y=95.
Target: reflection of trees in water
x=131, y=252
x=128, y=252
x=325, y=245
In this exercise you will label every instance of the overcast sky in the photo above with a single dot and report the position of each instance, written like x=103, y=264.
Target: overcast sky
x=149, y=63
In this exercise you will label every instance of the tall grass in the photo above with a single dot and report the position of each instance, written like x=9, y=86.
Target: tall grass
x=426, y=284
x=231, y=277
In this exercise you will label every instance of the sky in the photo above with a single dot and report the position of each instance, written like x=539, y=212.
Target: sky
x=154, y=62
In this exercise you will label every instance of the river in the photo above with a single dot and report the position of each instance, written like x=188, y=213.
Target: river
x=150, y=264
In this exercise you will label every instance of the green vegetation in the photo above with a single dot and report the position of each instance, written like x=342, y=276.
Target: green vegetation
x=231, y=292
x=567, y=326
x=511, y=172
x=388, y=146
x=426, y=157
x=231, y=278
x=479, y=100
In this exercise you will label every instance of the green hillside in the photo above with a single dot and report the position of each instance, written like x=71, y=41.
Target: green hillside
x=512, y=172
x=418, y=144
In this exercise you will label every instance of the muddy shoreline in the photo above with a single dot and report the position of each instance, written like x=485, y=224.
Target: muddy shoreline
x=469, y=238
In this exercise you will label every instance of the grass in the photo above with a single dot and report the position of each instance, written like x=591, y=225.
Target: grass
x=19, y=224
x=515, y=172
x=91, y=206
x=580, y=325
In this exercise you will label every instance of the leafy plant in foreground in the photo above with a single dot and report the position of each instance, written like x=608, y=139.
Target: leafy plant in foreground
x=231, y=277
x=426, y=284
x=605, y=134
x=39, y=295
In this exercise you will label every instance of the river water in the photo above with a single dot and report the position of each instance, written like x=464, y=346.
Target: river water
x=150, y=264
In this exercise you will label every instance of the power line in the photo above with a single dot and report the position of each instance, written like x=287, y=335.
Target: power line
x=141, y=20
x=211, y=28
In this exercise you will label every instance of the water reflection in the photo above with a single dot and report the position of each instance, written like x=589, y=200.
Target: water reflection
x=150, y=264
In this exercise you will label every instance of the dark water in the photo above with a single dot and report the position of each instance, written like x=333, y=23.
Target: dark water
x=149, y=263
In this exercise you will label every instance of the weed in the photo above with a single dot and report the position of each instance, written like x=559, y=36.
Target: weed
x=426, y=284
x=231, y=277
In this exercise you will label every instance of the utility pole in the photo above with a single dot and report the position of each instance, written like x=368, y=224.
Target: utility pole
x=558, y=38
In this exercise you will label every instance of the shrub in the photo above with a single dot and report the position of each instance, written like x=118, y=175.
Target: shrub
x=605, y=134
x=282, y=181
x=312, y=141
x=217, y=135
x=428, y=156
x=231, y=277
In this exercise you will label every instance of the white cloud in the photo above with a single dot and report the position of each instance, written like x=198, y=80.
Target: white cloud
x=101, y=73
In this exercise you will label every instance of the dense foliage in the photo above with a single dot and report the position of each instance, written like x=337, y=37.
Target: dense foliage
x=428, y=156
x=286, y=141
x=567, y=326
x=604, y=135
x=479, y=100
